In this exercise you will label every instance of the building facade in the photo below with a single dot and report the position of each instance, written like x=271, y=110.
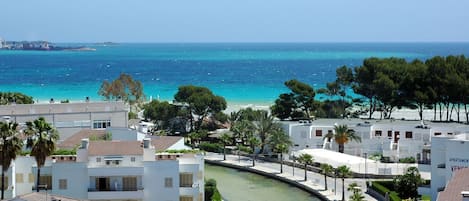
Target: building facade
x=70, y=118
x=394, y=139
x=449, y=153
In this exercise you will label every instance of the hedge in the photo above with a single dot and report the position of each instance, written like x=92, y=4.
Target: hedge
x=211, y=147
x=393, y=195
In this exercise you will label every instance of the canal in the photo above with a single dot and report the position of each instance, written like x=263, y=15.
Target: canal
x=235, y=185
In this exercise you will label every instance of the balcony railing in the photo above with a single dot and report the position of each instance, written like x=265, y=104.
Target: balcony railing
x=113, y=189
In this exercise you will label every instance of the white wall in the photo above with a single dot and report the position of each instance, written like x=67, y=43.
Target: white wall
x=154, y=181
x=77, y=178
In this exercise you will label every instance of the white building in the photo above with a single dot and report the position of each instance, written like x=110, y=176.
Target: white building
x=115, y=170
x=391, y=138
x=448, y=153
x=70, y=118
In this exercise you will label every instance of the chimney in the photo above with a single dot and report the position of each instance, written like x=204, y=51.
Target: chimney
x=146, y=143
x=84, y=143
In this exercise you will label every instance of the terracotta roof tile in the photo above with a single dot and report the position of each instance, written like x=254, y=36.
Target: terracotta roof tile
x=103, y=148
x=162, y=143
x=76, y=138
x=457, y=184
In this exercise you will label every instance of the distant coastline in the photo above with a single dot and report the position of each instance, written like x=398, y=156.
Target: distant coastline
x=39, y=46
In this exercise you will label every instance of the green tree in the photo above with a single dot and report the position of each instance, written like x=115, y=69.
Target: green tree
x=306, y=160
x=298, y=103
x=242, y=130
x=201, y=103
x=123, y=88
x=265, y=127
x=326, y=169
x=253, y=144
x=342, y=135
x=364, y=82
x=42, y=139
x=408, y=183
x=15, y=97
x=160, y=112
x=225, y=140
x=10, y=146
x=280, y=143
x=357, y=192
x=343, y=172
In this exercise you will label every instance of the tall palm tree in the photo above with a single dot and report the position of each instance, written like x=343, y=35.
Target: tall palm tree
x=326, y=169
x=280, y=143
x=342, y=136
x=10, y=146
x=253, y=143
x=225, y=140
x=265, y=126
x=241, y=130
x=306, y=160
x=41, y=139
x=343, y=172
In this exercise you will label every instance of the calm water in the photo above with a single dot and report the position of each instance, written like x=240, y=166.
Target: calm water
x=236, y=185
x=239, y=72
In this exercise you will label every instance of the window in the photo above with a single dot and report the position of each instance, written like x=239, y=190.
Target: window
x=62, y=184
x=98, y=160
x=318, y=133
x=46, y=180
x=389, y=133
x=408, y=134
x=31, y=178
x=97, y=124
x=436, y=134
x=185, y=198
x=19, y=178
x=450, y=133
x=129, y=183
x=168, y=182
x=185, y=180
x=378, y=133
x=132, y=159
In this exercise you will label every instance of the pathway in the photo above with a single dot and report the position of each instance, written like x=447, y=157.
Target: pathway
x=315, y=180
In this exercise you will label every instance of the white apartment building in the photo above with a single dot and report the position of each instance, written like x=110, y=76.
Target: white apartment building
x=449, y=153
x=391, y=138
x=70, y=118
x=124, y=169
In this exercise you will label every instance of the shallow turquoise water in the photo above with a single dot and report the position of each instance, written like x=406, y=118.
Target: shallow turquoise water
x=236, y=185
x=239, y=72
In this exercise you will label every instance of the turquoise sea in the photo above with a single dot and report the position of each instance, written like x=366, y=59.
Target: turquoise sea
x=240, y=72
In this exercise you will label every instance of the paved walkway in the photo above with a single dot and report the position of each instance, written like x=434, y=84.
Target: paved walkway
x=315, y=180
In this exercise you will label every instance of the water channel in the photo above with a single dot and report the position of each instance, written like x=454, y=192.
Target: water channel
x=235, y=185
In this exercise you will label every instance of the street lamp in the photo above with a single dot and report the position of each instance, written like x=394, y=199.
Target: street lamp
x=366, y=156
x=335, y=181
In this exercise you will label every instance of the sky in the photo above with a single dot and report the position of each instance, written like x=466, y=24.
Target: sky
x=182, y=21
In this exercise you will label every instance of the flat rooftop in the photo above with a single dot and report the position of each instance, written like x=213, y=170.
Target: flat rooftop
x=58, y=108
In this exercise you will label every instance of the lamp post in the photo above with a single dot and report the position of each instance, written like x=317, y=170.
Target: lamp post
x=366, y=157
x=335, y=181
x=294, y=159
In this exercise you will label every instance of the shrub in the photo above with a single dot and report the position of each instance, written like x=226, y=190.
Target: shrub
x=407, y=160
x=211, y=147
x=211, y=191
x=132, y=115
x=64, y=152
x=381, y=189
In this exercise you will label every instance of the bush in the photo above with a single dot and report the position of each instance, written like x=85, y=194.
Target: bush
x=378, y=187
x=64, y=152
x=211, y=147
x=132, y=115
x=211, y=191
x=407, y=160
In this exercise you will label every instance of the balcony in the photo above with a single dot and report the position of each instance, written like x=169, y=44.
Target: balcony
x=95, y=194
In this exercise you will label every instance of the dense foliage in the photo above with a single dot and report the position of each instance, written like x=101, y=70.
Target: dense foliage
x=408, y=183
x=379, y=187
x=211, y=191
x=123, y=88
x=383, y=85
x=15, y=97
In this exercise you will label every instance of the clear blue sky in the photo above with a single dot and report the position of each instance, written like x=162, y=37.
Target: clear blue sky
x=235, y=20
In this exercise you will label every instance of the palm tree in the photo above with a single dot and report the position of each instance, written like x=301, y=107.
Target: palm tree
x=10, y=146
x=253, y=143
x=41, y=139
x=306, y=160
x=342, y=136
x=241, y=130
x=326, y=169
x=280, y=142
x=225, y=140
x=357, y=195
x=265, y=126
x=343, y=172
